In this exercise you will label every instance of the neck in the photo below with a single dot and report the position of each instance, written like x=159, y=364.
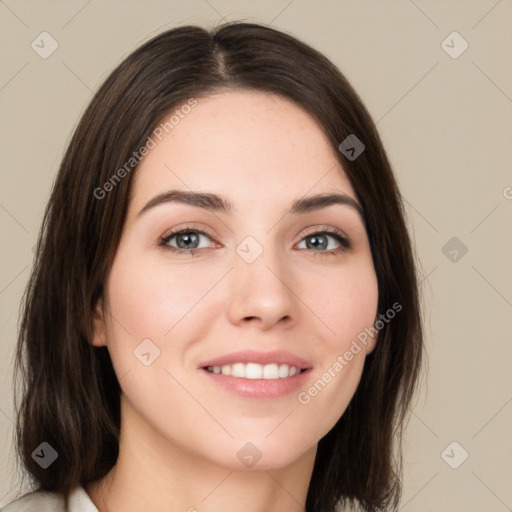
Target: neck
x=152, y=473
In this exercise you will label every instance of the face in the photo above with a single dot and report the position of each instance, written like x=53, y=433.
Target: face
x=269, y=294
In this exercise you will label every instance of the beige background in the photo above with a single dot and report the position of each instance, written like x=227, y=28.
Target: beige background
x=446, y=123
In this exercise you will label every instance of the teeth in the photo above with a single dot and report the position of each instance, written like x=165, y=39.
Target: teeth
x=238, y=370
x=271, y=371
x=283, y=371
x=253, y=371
x=256, y=371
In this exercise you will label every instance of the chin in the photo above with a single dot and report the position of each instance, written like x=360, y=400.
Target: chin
x=255, y=454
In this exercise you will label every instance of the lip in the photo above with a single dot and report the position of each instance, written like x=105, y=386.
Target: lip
x=256, y=356
x=259, y=388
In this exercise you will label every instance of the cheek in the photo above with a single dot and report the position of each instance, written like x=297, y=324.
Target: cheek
x=347, y=309
x=151, y=299
x=345, y=301
x=167, y=304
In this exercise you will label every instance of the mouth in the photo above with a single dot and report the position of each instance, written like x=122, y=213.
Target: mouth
x=272, y=371
x=255, y=374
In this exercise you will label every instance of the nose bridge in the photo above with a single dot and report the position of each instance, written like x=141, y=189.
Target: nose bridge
x=262, y=283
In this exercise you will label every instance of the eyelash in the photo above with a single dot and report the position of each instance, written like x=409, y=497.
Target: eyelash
x=337, y=234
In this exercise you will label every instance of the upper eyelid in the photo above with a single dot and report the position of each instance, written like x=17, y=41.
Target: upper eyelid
x=330, y=230
x=186, y=228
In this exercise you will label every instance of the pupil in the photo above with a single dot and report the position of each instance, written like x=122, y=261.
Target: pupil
x=188, y=237
x=315, y=244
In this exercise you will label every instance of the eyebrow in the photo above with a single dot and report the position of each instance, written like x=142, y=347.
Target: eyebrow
x=216, y=203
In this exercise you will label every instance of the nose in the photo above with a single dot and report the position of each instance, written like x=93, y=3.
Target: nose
x=262, y=293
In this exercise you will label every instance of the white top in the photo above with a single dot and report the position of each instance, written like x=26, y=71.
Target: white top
x=43, y=501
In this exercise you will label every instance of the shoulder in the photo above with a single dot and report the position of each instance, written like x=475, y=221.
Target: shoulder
x=44, y=501
x=36, y=501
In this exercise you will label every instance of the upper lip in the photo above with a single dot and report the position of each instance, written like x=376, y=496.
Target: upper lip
x=256, y=356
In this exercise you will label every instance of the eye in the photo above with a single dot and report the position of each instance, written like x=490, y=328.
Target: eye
x=186, y=240
x=318, y=242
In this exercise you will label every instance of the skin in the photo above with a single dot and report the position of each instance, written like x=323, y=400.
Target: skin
x=180, y=433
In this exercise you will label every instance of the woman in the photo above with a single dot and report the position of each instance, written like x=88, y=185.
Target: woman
x=223, y=313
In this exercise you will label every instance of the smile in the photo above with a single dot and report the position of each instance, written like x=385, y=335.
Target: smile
x=270, y=371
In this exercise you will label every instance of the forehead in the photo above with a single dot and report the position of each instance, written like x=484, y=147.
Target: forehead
x=250, y=146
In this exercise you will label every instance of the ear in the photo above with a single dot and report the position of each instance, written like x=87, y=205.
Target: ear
x=373, y=334
x=99, y=334
x=371, y=343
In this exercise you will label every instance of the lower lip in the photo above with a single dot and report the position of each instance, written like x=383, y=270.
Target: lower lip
x=259, y=388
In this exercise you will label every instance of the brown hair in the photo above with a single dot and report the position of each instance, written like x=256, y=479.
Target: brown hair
x=69, y=395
